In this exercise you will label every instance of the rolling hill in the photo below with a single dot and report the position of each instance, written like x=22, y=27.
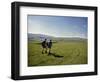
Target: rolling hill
x=41, y=37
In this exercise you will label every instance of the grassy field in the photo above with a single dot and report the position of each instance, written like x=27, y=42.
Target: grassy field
x=63, y=53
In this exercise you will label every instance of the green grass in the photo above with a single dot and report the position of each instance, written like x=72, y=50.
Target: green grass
x=72, y=52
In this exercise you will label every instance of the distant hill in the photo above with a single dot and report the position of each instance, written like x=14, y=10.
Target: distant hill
x=38, y=37
x=41, y=37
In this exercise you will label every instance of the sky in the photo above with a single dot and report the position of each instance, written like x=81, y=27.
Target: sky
x=58, y=26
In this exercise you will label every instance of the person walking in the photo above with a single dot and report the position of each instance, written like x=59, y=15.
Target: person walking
x=44, y=46
x=50, y=46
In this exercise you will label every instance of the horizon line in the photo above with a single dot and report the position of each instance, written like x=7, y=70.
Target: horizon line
x=61, y=36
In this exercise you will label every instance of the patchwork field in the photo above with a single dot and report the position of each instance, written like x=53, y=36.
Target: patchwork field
x=62, y=53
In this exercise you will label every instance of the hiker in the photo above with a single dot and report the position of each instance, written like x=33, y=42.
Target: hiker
x=49, y=46
x=44, y=46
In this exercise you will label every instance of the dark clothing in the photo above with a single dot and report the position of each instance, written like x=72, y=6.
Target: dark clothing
x=44, y=44
x=49, y=44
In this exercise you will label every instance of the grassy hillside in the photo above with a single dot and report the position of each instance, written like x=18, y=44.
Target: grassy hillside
x=63, y=53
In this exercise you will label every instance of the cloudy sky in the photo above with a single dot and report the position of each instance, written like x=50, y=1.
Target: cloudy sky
x=58, y=26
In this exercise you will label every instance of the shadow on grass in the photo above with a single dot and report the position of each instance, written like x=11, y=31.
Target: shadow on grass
x=55, y=55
